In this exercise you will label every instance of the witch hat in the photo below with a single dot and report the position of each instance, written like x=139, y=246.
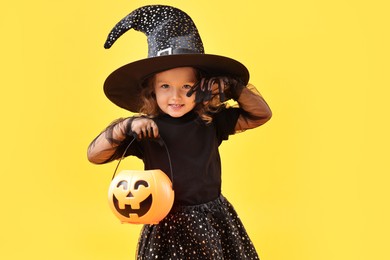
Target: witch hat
x=173, y=41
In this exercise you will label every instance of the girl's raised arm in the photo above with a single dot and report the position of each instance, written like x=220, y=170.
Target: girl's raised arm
x=255, y=110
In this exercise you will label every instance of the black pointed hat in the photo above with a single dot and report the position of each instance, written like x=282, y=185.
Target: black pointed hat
x=173, y=41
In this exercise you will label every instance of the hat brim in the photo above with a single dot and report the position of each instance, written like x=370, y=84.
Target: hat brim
x=123, y=86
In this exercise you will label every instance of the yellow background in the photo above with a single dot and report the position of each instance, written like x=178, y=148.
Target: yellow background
x=311, y=184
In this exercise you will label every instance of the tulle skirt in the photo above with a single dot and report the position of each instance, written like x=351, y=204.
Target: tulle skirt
x=207, y=231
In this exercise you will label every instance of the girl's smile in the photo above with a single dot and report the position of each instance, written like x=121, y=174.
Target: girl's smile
x=171, y=87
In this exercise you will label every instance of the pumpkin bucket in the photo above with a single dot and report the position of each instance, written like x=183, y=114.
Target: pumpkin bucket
x=141, y=197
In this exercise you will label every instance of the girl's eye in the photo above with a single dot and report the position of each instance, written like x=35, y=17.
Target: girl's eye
x=187, y=86
x=165, y=86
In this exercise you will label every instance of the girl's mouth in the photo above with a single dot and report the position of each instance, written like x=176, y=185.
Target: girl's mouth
x=176, y=106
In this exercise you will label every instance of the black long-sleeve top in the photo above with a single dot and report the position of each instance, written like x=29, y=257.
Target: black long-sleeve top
x=193, y=148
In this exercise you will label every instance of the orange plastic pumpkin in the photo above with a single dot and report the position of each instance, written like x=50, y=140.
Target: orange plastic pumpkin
x=141, y=197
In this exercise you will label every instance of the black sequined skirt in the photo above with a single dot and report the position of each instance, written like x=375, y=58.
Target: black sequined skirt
x=207, y=231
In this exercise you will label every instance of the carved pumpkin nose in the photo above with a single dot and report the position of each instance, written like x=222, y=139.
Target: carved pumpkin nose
x=130, y=195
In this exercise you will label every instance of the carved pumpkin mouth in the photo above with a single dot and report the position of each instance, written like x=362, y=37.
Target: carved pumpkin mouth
x=145, y=206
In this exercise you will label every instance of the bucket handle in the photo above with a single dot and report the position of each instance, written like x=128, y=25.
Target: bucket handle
x=158, y=140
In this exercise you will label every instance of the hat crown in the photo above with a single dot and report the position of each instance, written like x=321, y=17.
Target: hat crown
x=168, y=29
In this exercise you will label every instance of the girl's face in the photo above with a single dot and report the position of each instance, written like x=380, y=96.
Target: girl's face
x=171, y=87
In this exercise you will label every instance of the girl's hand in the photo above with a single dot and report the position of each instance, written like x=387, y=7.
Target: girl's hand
x=224, y=87
x=144, y=128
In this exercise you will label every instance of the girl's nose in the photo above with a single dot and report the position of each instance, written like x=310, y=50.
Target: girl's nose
x=176, y=93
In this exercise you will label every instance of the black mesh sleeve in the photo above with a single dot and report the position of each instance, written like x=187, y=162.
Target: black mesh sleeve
x=225, y=122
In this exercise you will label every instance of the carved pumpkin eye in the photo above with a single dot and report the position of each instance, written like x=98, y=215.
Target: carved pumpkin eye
x=122, y=183
x=139, y=183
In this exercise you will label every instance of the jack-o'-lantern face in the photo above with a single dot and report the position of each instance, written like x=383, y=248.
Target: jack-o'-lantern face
x=132, y=198
x=141, y=196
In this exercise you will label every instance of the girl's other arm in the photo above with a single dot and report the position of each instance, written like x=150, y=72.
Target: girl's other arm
x=103, y=147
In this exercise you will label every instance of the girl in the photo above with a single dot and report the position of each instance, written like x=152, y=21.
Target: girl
x=180, y=99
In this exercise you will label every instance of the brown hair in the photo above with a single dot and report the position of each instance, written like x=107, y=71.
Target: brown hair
x=203, y=109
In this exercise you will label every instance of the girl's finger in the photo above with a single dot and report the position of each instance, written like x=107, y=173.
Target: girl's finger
x=154, y=130
x=149, y=131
